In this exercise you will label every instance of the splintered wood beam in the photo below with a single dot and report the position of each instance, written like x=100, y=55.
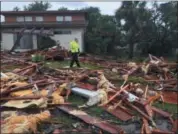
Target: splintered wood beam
x=19, y=36
x=39, y=83
x=23, y=69
x=32, y=30
x=146, y=126
x=50, y=31
x=22, y=30
x=163, y=113
x=138, y=110
x=41, y=30
x=158, y=131
x=117, y=93
x=21, y=98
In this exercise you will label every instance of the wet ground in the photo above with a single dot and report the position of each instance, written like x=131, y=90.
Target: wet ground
x=163, y=124
x=69, y=124
x=135, y=127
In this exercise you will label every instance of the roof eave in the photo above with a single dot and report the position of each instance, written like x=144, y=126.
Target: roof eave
x=42, y=12
x=45, y=26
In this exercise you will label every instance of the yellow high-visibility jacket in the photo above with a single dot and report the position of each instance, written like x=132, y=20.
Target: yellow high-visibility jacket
x=74, y=47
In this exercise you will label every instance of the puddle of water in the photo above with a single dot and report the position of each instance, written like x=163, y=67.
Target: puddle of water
x=133, y=128
x=163, y=124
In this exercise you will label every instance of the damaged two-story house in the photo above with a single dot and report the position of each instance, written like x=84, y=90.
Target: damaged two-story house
x=24, y=28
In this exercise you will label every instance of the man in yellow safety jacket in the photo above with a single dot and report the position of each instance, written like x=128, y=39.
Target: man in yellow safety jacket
x=74, y=48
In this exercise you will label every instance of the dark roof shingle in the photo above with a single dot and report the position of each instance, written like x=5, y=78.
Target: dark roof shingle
x=42, y=12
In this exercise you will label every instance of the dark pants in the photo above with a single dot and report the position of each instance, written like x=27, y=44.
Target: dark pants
x=74, y=59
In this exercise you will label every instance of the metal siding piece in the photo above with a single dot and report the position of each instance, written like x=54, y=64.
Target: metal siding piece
x=119, y=113
x=170, y=97
x=84, y=92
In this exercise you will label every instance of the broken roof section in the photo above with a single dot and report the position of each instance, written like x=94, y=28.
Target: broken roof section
x=43, y=12
x=48, y=22
x=42, y=31
x=72, y=24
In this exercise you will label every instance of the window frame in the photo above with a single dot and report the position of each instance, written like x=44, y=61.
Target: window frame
x=17, y=20
x=39, y=17
x=59, y=17
x=28, y=20
x=67, y=17
x=63, y=32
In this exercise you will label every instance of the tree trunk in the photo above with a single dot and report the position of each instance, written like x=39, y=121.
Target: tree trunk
x=110, y=47
x=162, y=48
x=131, y=47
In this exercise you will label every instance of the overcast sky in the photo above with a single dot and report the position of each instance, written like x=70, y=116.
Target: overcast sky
x=105, y=7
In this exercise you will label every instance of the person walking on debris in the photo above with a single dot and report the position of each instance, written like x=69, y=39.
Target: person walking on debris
x=74, y=48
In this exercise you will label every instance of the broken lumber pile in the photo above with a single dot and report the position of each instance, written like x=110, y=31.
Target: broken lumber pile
x=38, y=87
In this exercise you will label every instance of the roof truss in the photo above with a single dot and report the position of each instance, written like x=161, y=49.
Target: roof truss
x=34, y=31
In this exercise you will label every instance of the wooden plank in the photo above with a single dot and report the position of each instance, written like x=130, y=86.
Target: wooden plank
x=32, y=30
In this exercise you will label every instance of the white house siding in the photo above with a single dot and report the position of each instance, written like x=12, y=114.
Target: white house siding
x=66, y=38
x=27, y=42
x=7, y=41
x=34, y=37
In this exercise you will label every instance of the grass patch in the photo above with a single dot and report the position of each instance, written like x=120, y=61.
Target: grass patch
x=134, y=59
x=94, y=110
x=171, y=108
x=133, y=79
x=144, y=59
x=102, y=114
x=65, y=119
x=62, y=64
x=76, y=99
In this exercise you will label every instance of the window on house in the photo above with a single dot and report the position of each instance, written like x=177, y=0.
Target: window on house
x=68, y=18
x=39, y=18
x=63, y=32
x=59, y=18
x=28, y=18
x=20, y=19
